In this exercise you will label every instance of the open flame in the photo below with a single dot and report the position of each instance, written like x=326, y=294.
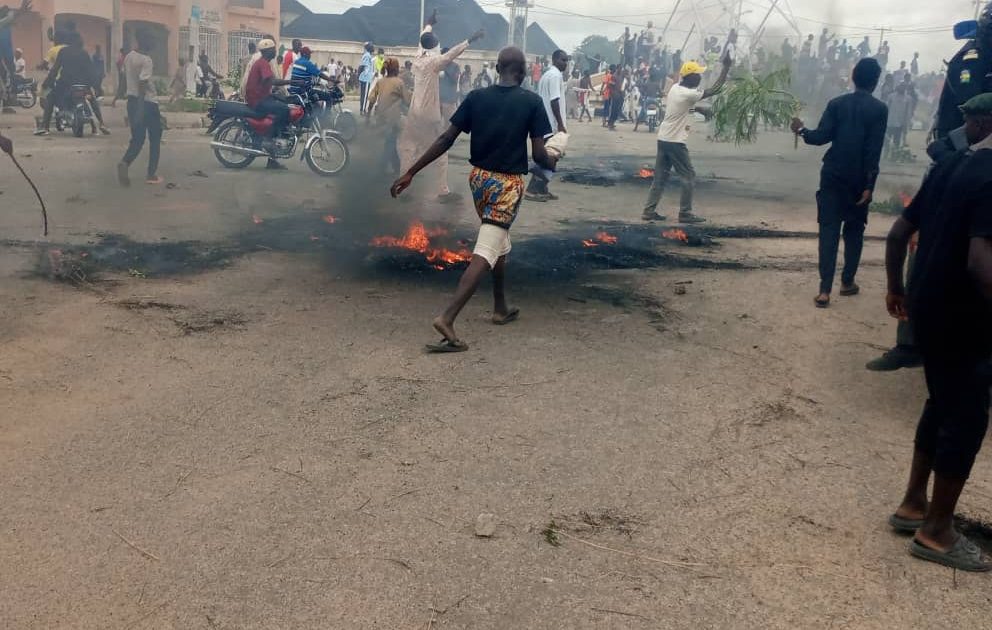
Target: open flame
x=257, y=220
x=906, y=199
x=601, y=238
x=330, y=218
x=418, y=239
x=676, y=234
x=645, y=173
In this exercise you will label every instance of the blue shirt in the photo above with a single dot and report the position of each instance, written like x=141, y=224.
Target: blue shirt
x=303, y=70
x=368, y=68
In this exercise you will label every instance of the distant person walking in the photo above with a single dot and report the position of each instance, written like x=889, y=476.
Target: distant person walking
x=673, y=136
x=366, y=74
x=854, y=126
x=423, y=122
x=551, y=89
x=143, y=112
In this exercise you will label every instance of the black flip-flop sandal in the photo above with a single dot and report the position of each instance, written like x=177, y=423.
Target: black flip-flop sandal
x=851, y=290
x=905, y=525
x=964, y=555
x=512, y=316
x=821, y=303
x=447, y=345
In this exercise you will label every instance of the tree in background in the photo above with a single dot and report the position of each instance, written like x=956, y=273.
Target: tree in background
x=598, y=45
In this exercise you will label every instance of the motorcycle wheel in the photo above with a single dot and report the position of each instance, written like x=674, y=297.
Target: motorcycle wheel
x=346, y=125
x=327, y=156
x=27, y=99
x=233, y=132
x=78, y=126
x=59, y=126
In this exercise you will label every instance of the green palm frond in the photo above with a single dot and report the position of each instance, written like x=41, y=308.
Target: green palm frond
x=748, y=101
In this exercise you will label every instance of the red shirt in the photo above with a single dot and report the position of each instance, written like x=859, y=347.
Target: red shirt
x=288, y=58
x=259, y=85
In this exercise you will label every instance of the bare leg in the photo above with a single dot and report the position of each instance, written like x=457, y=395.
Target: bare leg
x=500, y=308
x=938, y=528
x=914, y=504
x=445, y=322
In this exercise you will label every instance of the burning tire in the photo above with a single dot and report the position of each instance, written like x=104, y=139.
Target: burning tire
x=346, y=125
x=327, y=155
x=234, y=133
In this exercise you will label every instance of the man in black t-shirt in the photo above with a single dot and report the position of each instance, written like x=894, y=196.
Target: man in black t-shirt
x=499, y=119
x=950, y=307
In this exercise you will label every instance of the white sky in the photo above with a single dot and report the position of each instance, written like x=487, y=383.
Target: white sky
x=912, y=25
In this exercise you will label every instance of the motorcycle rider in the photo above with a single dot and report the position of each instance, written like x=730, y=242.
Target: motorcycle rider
x=258, y=92
x=305, y=73
x=73, y=66
x=203, y=85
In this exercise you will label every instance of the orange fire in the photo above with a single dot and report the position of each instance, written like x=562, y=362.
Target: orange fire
x=645, y=173
x=257, y=220
x=906, y=199
x=601, y=238
x=676, y=234
x=418, y=239
x=330, y=218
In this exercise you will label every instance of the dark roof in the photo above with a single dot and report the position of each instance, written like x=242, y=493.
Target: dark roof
x=394, y=23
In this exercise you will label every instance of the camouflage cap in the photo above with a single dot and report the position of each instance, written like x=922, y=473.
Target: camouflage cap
x=980, y=105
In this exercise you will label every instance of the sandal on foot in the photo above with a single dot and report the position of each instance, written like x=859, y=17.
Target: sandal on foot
x=905, y=525
x=511, y=316
x=964, y=555
x=821, y=303
x=850, y=290
x=447, y=345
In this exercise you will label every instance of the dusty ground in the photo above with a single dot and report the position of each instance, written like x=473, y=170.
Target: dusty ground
x=263, y=444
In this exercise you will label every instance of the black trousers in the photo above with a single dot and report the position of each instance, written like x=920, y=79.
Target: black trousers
x=838, y=216
x=279, y=109
x=956, y=414
x=145, y=120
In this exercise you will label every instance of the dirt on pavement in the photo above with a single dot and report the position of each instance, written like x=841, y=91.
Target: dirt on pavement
x=226, y=419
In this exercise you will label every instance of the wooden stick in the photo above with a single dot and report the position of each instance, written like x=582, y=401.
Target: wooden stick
x=670, y=563
x=291, y=473
x=44, y=212
x=619, y=612
x=130, y=544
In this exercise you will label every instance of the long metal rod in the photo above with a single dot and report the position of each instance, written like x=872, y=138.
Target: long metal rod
x=421, y=16
x=664, y=31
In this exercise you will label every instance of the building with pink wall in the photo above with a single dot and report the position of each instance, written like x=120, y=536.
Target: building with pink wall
x=224, y=27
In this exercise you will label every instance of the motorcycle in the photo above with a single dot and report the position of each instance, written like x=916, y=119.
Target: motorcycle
x=335, y=115
x=652, y=114
x=75, y=112
x=241, y=134
x=26, y=92
x=210, y=88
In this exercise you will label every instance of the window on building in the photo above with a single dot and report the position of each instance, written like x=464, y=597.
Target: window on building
x=209, y=43
x=251, y=4
x=237, y=48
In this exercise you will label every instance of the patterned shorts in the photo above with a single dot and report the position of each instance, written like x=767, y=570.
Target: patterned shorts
x=497, y=196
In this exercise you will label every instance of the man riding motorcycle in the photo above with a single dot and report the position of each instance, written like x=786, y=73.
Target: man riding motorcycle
x=73, y=66
x=208, y=73
x=258, y=92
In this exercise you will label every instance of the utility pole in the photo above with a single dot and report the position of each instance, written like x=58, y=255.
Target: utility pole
x=519, y=10
x=116, y=37
x=421, y=27
x=881, y=38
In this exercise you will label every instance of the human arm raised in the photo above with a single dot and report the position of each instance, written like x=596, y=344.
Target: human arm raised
x=721, y=80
